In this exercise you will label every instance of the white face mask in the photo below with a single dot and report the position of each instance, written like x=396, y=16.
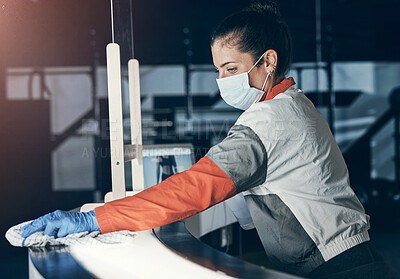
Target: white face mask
x=236, y=90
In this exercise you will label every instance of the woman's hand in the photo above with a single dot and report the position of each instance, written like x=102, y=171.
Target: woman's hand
x=62, y=223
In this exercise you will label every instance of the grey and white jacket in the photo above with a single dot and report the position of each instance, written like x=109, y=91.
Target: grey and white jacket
x=282, y=157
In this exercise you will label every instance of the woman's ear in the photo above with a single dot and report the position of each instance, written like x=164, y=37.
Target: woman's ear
x=271, y=60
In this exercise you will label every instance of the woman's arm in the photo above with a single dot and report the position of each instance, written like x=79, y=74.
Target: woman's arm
x=178, y=197
x=234, y=165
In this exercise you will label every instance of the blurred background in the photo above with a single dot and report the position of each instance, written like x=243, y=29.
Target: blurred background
x=53, y=97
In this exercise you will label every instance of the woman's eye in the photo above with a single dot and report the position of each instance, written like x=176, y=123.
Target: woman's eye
x=231, y=70
x=216, y=70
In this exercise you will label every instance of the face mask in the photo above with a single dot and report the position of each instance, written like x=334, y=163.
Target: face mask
x=236, y=90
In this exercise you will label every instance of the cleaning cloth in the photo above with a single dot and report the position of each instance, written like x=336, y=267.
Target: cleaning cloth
x=13, y=235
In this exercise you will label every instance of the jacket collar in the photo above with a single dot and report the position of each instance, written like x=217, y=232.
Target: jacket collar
x=279, y=88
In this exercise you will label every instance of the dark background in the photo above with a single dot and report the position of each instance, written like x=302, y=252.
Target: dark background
x=57, y=33
x=60, y=33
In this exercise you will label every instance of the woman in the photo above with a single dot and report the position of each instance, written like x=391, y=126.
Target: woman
x=280, y=154
x=168, y=165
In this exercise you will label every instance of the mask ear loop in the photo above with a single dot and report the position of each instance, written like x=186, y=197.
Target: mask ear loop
x=265, y=82
x=255, y=64
x=266, y=79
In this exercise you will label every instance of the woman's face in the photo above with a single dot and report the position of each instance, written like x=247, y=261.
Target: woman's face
x=229, y=61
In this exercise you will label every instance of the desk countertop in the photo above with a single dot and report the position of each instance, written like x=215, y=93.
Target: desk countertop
x=166, y=252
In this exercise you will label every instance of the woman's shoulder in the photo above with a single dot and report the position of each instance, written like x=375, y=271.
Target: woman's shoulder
x=262, y=112
x=284, y=106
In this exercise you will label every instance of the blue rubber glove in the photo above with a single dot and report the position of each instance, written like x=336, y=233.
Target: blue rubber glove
x=61, y=223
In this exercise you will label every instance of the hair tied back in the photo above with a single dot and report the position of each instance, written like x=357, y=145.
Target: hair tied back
x=266, y=7
x=256, y=29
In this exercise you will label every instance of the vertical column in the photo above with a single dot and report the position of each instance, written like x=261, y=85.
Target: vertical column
x=397, y=146
x=115, y=118
x=136, y=124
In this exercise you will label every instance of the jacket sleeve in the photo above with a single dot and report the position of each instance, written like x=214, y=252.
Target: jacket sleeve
x=242, y=156
x=232, y=166
x=179, y=196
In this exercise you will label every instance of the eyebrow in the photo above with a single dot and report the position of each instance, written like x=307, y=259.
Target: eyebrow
x=226, y=63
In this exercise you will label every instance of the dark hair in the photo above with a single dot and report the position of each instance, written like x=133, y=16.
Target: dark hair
x=257, y=29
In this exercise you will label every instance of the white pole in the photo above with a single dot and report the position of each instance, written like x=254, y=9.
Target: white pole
x=115, y=118
x=136, y=124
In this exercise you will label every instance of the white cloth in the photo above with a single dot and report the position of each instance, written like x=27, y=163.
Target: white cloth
x=13, y=235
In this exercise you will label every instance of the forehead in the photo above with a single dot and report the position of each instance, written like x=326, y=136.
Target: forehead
x=223, y=52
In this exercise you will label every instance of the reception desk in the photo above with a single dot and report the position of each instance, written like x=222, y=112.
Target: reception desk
x=166, y=252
